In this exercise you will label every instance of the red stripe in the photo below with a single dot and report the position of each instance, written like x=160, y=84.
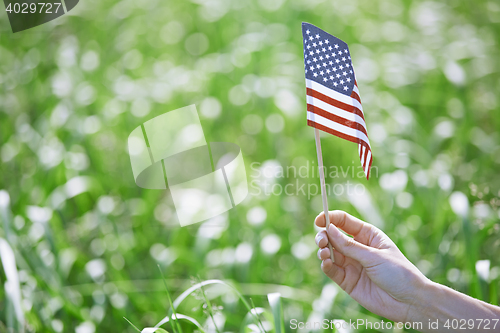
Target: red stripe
x=336, y=133
x=365, y=158
x=337, y=119
x=334, y=102
x=369, y=167
x=356, y=96
x=363, y=161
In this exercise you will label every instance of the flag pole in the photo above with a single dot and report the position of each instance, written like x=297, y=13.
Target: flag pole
x=323, y=187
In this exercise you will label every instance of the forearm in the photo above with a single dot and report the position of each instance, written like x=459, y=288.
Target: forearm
x=441, y=309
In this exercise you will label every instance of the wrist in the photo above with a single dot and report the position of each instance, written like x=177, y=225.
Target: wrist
x=424, y=301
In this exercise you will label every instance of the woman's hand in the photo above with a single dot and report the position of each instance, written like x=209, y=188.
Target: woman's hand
x=370, y=267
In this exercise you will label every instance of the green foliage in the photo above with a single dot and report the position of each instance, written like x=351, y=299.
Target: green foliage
x=87, y=239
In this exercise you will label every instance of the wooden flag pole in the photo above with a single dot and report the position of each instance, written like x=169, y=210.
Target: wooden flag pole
x=323, y=187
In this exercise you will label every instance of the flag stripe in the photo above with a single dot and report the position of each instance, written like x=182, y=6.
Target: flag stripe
x=369, y=166
x=337, y=117
x=332, y=94
x=348, y=133
x=334, y=109
x=331, y=131
x=355, y=96
x=346, y=107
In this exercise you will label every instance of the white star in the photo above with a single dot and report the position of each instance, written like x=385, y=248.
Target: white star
x=350, y=71
x=345, y=51
x=331, y=77
x=320, y=43
x=348, y=79
x=308, y=46
x=311, y=52
x=314, y=59
x=315, y=74
x=318, y=66
x=328, y=71
x=340, y=52
x=337, y=61
x=341, y=67
x=308, y=61
x=327, y=41
x=345, y=88
x=327, y=56
x=324, y=64
x=325, y=79
x=345, y=74
x=343, y=58
x=338, y=75
x=317, y=51
x=320, y=57
x=336, y=46
x=317, y=36
x=330, y=48
x=314, y=44
x=334, y=69
x=308, y=32
x=311, y=38
x=323, y=49
x=330, y=63
x=349, y=57
x=347, y=65
x=335, y=83
x=321, y=73
x=311, y=68
x=341, y=81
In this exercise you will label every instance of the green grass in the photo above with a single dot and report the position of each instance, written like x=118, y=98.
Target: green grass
x=429, y=78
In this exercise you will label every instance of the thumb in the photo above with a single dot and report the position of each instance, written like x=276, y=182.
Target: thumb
x=350, y=247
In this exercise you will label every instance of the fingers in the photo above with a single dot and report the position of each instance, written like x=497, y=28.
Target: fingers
x=339, y=258
x=344, y=221
x=334, y=272
x=321, y=239
x=351, y=248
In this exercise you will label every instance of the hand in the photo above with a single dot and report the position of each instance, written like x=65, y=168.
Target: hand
x=369, y=267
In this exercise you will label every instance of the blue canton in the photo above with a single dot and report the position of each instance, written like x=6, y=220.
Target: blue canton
x=327, y=60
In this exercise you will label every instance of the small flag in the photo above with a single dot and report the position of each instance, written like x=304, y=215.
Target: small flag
x=333, y=102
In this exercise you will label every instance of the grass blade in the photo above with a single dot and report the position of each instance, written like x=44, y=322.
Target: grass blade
x=197, y=286
x=277, y=309
x=256, y=314
x=176, y=327
x=12, y=287
x=209, y=306
x=153, y=330
x=138, y=330
x=181, y=316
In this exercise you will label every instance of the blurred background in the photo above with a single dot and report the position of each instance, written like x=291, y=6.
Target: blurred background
x=87, y=241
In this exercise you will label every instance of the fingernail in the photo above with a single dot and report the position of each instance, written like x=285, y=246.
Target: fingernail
x=317, y=239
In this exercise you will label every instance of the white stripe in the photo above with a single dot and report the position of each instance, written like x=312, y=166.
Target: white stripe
x=356, y=90
x=368, y=157
x=337, y=127
x=336, y=111
x=363, y=156
x=333, y=94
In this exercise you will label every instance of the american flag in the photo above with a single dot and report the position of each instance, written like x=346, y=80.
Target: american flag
x=333, y=102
